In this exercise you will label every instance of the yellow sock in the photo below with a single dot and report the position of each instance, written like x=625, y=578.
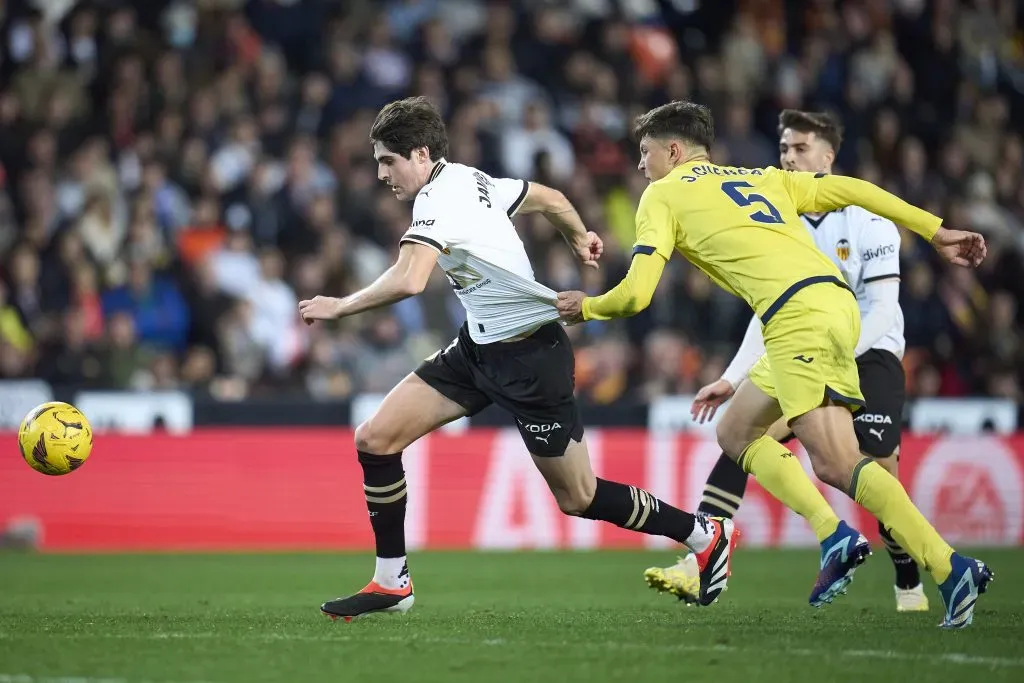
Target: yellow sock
x=884, y=497
x=781, y=475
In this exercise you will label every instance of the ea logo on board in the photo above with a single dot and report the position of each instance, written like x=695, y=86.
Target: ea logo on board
x=972, y=490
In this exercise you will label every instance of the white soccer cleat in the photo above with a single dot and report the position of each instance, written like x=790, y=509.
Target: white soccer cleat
x=681, y=579
x=911, y=599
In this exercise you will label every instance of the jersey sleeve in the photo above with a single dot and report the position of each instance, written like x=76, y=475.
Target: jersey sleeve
x=433, y=223
x=880, y=248
x=882, y=309
x=821, y=192
x=630, y=296
x=750, y=351
x=655, y=225
x=510, y=193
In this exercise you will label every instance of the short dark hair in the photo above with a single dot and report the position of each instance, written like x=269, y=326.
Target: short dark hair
x=822, y=123
x=678, y=119
x=405, y=125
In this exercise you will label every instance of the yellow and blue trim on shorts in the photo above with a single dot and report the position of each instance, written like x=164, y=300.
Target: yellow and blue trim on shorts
x=855, y=404
x=796, y=287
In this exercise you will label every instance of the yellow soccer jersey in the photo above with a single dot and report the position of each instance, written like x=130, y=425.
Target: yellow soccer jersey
x=741, y=227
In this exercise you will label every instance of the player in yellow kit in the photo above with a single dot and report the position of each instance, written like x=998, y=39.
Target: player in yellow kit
x=741, y=227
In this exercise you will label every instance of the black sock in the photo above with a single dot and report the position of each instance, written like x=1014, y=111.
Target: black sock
x=633, y=508
x=384, y=486
x=907, y=573
x=724, y=489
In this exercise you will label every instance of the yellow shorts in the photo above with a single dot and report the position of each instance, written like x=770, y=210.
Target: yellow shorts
x=809, y=345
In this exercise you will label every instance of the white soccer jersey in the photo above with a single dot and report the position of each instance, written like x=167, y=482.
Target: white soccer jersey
x=466, y=215
x=866, y=248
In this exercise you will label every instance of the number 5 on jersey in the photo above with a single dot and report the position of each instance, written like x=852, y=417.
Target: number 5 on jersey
x=734, y=189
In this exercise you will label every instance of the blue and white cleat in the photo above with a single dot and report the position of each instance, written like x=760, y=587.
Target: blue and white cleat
x=968, y=580
x=841, y=554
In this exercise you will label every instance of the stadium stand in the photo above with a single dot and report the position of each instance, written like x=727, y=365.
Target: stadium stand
x=175, y=176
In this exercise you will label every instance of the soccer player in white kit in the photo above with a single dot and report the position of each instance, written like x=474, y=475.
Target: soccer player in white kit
x=511, y=352
x=866, y=249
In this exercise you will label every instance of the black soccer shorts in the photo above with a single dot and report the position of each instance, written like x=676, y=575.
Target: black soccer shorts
x=533, y=378
x=883, y=383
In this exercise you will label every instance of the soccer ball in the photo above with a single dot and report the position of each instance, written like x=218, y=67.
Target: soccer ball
x=55, y=438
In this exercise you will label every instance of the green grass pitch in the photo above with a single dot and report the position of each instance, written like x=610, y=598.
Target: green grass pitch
x=482, y=617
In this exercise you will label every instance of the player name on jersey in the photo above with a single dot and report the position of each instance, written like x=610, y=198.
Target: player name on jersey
x=711, y=169
x=466, y=215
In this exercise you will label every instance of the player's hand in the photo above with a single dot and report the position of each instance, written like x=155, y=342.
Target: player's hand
x=959, y=247
x=589, y=249
x=570, y=306
x=319, y=308
x=706, y=403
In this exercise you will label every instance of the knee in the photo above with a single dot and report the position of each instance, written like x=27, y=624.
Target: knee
x=732, y=441
x=575, y=500
x=371, y=439
x=830, y=472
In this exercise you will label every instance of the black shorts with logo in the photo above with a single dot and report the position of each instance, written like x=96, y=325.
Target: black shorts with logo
x=533, y=378
x=883, y=383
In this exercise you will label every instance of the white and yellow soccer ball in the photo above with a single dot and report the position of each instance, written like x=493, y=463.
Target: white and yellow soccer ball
x=55, y=438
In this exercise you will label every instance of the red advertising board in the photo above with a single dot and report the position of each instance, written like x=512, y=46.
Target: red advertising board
x=235, y=489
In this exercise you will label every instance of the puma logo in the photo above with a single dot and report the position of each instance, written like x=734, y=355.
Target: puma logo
x=876, y=432
x=542, y=438
x=803, y=359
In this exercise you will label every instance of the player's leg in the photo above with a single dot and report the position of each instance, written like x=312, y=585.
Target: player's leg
x=879, y=430
x=724, y=488
x=436, y=394
x=800, y=352
x=826, y=431
x=742, y=434
x=580, y=493
x=827, y=435
x=534, y=380
x=908, y=589
x=723, y=493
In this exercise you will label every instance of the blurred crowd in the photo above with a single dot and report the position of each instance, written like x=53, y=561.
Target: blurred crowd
x=176, y=175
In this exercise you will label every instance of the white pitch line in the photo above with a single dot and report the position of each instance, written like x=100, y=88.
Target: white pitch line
x=944, y=658
x=934, y=659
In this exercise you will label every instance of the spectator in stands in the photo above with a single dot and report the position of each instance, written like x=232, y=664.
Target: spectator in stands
x=172, y=174
x=15, y=337
x=74, y=360
x=155, y=306
x=123, y=360
x=521, y=145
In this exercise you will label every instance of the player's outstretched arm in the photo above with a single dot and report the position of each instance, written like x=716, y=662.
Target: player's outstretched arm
x=816, y=192
x=627, y=298
x=407, y=277
x=655, y=240
x=560, y=212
